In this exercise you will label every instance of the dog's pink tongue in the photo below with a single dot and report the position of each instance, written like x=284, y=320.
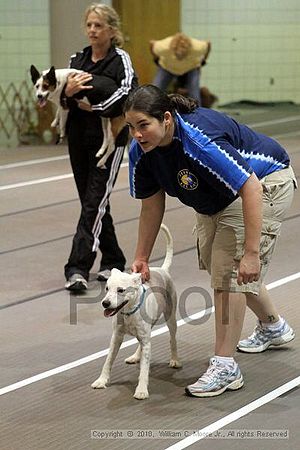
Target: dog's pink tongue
x=108, y=312
x=42, y=103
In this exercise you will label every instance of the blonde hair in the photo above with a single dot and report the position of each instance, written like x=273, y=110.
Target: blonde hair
x=112, y=18
x=180, y=45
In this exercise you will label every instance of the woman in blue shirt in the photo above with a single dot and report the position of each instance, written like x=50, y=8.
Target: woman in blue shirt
x=240, y=184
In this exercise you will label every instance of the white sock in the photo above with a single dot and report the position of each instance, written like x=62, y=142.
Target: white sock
x=226, y=360
x=273, y=326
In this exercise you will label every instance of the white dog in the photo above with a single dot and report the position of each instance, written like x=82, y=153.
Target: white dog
x=136, y=307
x=49, y=86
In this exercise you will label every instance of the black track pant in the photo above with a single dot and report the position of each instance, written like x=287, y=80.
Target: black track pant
x=95, y=227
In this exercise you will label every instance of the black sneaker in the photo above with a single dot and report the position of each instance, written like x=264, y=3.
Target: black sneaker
x=76, y=283
x=103, y=275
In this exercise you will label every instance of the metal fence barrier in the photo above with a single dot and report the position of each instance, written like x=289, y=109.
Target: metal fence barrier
x=21, y=120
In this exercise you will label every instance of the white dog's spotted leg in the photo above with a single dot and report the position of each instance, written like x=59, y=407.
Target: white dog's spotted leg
x=135, y=358
x=103, y=380
x=141, y=391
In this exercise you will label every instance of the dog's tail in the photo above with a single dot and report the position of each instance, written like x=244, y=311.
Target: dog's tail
x=169, y=251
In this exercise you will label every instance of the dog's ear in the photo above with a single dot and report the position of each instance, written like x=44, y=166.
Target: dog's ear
x=35, y=74
x=50, y=77
x=115, y=271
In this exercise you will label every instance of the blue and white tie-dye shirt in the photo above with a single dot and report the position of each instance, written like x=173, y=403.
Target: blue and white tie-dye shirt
x=210, y=158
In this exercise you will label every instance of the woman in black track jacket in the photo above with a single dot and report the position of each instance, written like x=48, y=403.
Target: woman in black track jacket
x=106, y=80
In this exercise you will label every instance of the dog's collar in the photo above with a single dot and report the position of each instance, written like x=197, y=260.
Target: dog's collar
x=142, y=298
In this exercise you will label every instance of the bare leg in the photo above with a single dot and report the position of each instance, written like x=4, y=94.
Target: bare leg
x=263, y=337
x=262, y=306
x=229, y=317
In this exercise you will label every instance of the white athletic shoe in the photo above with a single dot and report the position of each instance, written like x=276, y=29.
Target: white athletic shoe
x=218, y=378
x=263, y=338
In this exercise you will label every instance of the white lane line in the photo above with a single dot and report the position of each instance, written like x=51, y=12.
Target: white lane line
x=284, y=135
x=42, y=180
x=38, y=181
x=89, y=358
x=275, y=121
x=32, y=162
x=285, y=280
x=157, y=332
x=201, y=434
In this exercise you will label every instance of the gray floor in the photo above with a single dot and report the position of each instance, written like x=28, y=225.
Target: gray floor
x=53, y=345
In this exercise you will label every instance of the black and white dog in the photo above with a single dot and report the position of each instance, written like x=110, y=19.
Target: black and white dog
x=49, y=86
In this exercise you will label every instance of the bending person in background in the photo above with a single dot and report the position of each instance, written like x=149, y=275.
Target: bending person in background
x=180, y=55
x=102, y=58
x=240, y=183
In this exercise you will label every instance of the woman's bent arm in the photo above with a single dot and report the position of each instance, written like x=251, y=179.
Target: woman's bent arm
x=151, y=216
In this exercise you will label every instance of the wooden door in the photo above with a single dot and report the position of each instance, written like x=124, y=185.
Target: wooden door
x=143, y=20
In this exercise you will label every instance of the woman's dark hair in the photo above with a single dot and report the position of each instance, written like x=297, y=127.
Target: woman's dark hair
x=154, y=102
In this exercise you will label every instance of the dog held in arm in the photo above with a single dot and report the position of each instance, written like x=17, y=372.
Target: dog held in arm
x=135, y=308
x=49, y=86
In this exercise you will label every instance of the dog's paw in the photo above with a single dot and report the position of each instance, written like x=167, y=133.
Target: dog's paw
x=175, y=364
x=102, y=163
x=102, y=160
x=104, y=153
x=141, y=395
x=100, y=383
x=132, y=360
x=54, y=123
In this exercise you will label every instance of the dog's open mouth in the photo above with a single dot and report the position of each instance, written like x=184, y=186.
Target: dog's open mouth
x=109, y=312
x=42, y=102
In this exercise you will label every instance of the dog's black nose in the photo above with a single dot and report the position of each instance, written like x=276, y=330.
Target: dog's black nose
x=106, y=303
x=39, y=96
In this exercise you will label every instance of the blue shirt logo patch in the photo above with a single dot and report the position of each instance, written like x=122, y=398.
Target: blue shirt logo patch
x=187, y=180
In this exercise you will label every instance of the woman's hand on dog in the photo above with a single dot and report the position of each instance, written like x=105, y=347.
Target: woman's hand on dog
x=142, y=267
x=76, y=83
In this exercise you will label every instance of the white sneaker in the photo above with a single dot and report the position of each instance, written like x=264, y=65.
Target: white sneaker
x=218, y=378
x=262, y=338
x=76, y=283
